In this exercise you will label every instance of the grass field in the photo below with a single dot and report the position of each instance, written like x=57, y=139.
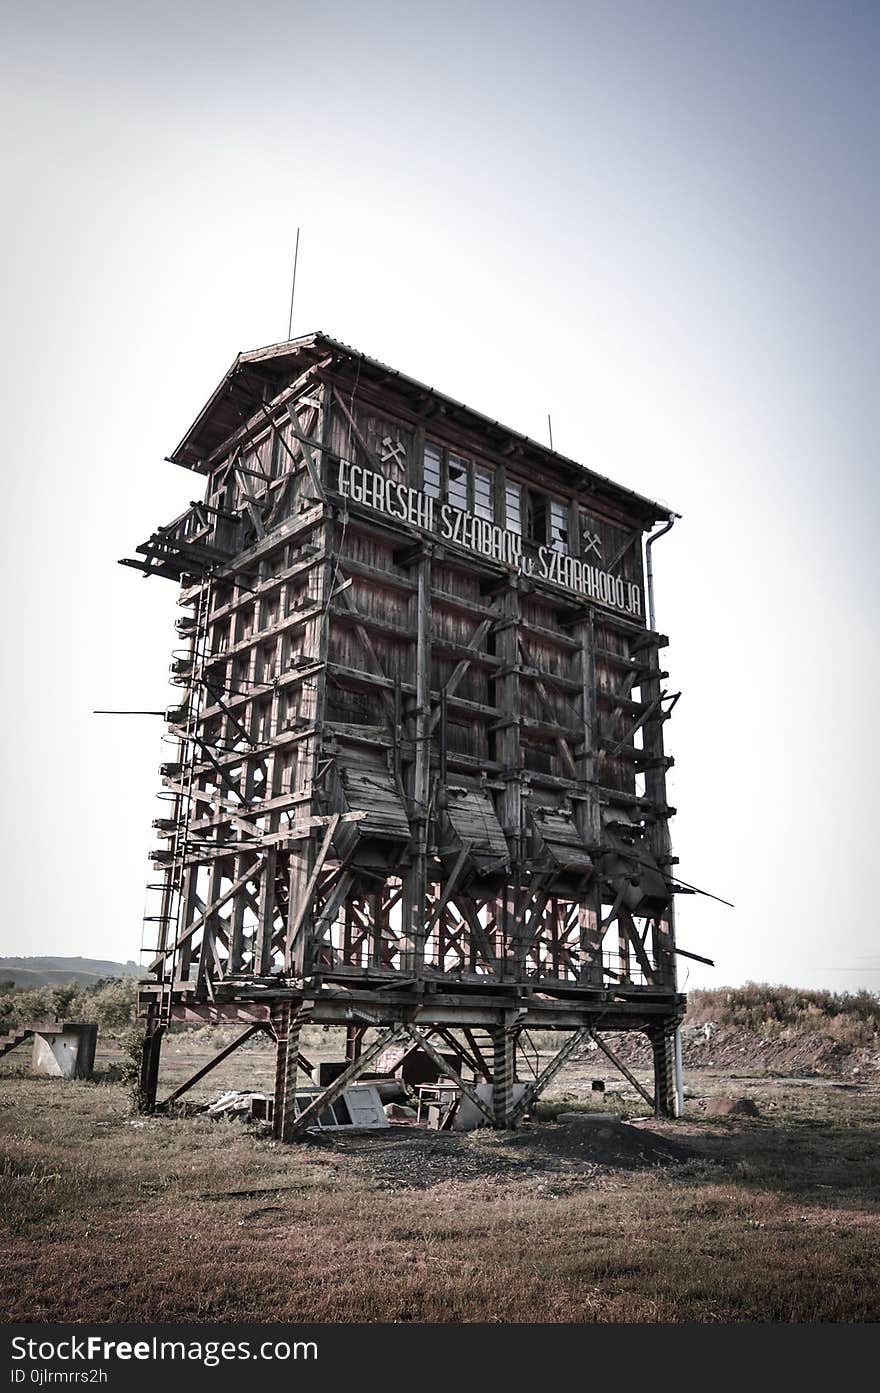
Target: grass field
x=108, y=1217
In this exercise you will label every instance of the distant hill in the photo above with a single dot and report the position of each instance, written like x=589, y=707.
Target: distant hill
x=52, y=972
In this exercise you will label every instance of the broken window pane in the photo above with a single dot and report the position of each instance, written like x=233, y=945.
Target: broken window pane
x=457, y=491
x=484, y=502
x=558, y=526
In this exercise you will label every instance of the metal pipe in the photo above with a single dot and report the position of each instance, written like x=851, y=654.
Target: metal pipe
x=649, y=569
x=679, y=1075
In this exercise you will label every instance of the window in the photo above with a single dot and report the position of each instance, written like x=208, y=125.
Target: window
x=455, y=480
x=433, y=466
x=457, y=487
x=513, y=508
x=558, y=525
x=536, y=518
x=484, y=503
x=546, y=521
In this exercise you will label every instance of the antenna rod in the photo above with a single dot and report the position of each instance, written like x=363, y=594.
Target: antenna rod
x=293, y=287
x=550, y=429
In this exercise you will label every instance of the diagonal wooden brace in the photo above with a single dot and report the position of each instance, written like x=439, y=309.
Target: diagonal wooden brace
x=251, y=873
x=469, y=1092
x=619, y=1064
x=212, y=1064
x=535, y=1089
x=356, y=1067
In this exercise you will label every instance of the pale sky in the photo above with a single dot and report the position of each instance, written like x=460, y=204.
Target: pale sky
x=655, y=219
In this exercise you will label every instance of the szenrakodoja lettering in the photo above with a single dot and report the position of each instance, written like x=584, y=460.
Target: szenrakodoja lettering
x=589, y=580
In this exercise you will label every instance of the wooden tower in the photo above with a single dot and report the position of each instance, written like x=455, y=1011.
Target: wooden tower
x=419, y=785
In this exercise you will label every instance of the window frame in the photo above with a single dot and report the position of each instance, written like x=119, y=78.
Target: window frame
x=449, y=456
x=548, y=501
x=519, y=530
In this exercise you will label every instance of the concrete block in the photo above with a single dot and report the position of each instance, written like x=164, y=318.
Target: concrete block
x=468, y=1116
x=68, y=1053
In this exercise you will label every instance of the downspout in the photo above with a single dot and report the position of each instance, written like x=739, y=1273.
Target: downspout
x=649, y=569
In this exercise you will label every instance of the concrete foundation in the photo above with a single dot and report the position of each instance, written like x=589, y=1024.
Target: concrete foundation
x=66, y=1054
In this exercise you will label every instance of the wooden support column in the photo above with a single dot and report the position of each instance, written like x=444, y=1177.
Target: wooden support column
x=663, y=1045
x=503, y=1074
x=354, y=1038
x=508, y=755
x=209, y=923
x=262, y=962
x=285, y=1023
x=590, y=924
x=149, y=1072
x=300, y=949
x=188, y=912
x=415, y=883
x=657, y=836
x=588, y=812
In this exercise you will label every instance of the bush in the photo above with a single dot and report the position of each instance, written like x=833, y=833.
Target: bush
x=782, y=1012
x=113, y=1004
x=110, y=1003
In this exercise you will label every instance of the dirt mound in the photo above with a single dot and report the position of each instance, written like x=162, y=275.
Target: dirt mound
x=419, y=1160
x=728, y=1107
x=741, y=1051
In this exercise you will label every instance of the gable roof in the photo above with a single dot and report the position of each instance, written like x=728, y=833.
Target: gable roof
x=223, y=413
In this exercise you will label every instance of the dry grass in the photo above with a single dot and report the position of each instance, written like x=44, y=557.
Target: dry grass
x=105, y=1220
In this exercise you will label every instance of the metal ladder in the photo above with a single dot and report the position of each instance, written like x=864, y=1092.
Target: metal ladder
x=168, y=919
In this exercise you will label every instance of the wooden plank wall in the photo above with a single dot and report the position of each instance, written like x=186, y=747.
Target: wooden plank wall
x=343, y=657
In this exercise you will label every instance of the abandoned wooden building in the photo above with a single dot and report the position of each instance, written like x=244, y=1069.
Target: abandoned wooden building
x=419, y=784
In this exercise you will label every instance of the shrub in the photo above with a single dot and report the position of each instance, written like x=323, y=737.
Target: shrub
x=111, y=1003
x=774, y=1012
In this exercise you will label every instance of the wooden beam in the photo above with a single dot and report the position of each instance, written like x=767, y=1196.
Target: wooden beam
x=212, y=1064
x=536, y=1088
x=682, y=953
x=449, y=886
x=348, y=1075
x=367, y=645
x=211, y=909
x=356, y=431
x=461, y=668
x=305, y=446
x=445, y=1068
x=644, y=962
x=308, y=893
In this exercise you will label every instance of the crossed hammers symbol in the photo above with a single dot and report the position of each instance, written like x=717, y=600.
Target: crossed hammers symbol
x=392, y=450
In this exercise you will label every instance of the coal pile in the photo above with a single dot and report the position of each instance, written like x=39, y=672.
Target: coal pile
x=578, y=1151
